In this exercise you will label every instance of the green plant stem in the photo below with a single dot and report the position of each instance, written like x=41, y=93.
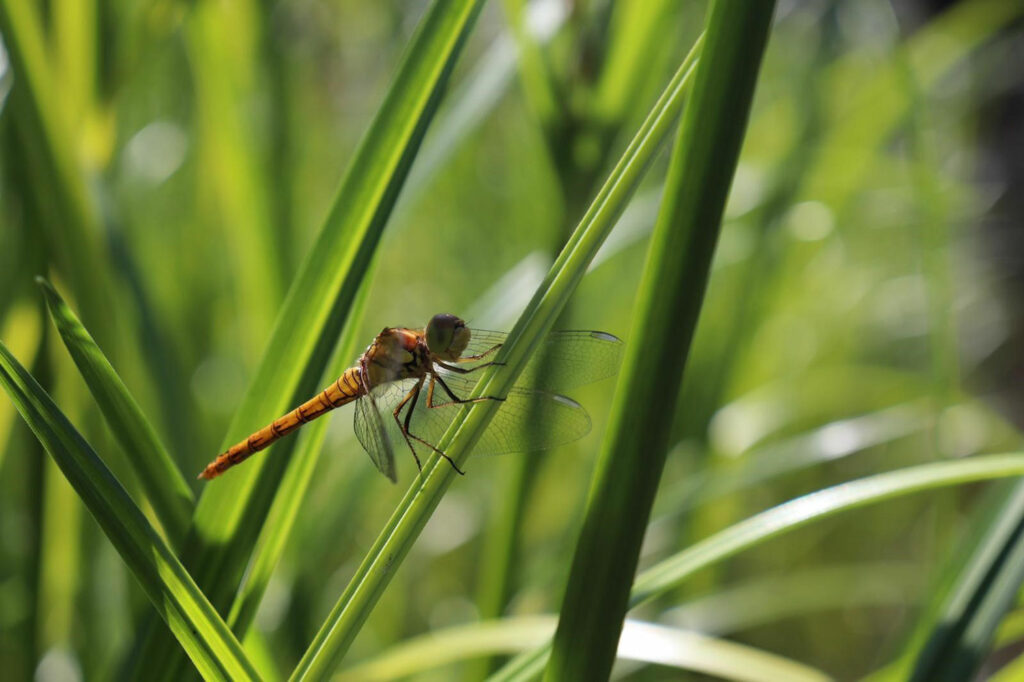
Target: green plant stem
x=670, y=298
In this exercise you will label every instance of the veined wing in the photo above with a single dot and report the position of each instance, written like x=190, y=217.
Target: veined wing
x=566, y=359
x=371, y=430
x=526, y=420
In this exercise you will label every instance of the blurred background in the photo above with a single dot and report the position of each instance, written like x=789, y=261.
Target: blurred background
x=864, y=311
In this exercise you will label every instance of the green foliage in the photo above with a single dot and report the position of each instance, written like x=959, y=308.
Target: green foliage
x=164, y=485
x=173, y=168
x=197, y=627
x=229, y=515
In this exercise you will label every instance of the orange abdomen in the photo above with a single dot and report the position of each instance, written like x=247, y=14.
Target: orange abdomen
x=346, y=389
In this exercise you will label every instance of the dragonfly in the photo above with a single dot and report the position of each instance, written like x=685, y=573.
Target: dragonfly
x=409, y=384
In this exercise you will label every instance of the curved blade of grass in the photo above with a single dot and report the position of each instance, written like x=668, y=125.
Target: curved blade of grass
x=670, y=573
x=422, y=498
x=818, y=505
x=669, y=302
x=200, y=631
x=231, y=510
x=794, y=453
x=642, y=642
x=163, y=482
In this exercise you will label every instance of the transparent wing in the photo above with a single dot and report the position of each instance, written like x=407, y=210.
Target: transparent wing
x=526, y=420
x=565, y=360
x=370, y=428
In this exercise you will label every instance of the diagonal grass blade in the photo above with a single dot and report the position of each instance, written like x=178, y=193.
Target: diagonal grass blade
x=164, y=484
x=199, y=630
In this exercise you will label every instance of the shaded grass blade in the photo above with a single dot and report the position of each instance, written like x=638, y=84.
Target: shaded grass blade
x=670, y=573
x=71, y=221
x=200, y=631
x=984, y=591
x=164, y=484
x=669, y=302
x=422, y=498
x=230, y=511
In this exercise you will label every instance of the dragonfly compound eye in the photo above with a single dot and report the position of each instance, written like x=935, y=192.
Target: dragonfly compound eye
x=447, y=335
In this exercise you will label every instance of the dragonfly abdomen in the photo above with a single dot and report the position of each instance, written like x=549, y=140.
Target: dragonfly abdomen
x=344, y=390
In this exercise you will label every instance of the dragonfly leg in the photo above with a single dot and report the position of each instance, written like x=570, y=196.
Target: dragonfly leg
x=430, y=390
x=404, y=428
x=415, y=394
x=480, y=356
x=455, y=400
x=463, y=370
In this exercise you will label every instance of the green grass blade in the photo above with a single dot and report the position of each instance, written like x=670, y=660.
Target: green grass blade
x=643, y=642
x=670, y=573
x=163, y=482
x=231, y=510
x=422, y=498
x=200, y=631
x=984, y=591
x=43, y=123
x=818, y=505
x=452, y=645
x=285, y=509
x=233, y=167
x=642, y=32
x=669, y=302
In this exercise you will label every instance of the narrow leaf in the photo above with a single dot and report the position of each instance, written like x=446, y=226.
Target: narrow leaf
x=984, y=591
x=163, y=482
x=668, y=306
x=200, y=631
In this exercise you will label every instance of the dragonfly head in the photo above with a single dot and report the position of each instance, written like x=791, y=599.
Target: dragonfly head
x=447, y=336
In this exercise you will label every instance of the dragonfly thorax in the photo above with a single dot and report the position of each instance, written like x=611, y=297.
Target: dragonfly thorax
x=396, y=353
